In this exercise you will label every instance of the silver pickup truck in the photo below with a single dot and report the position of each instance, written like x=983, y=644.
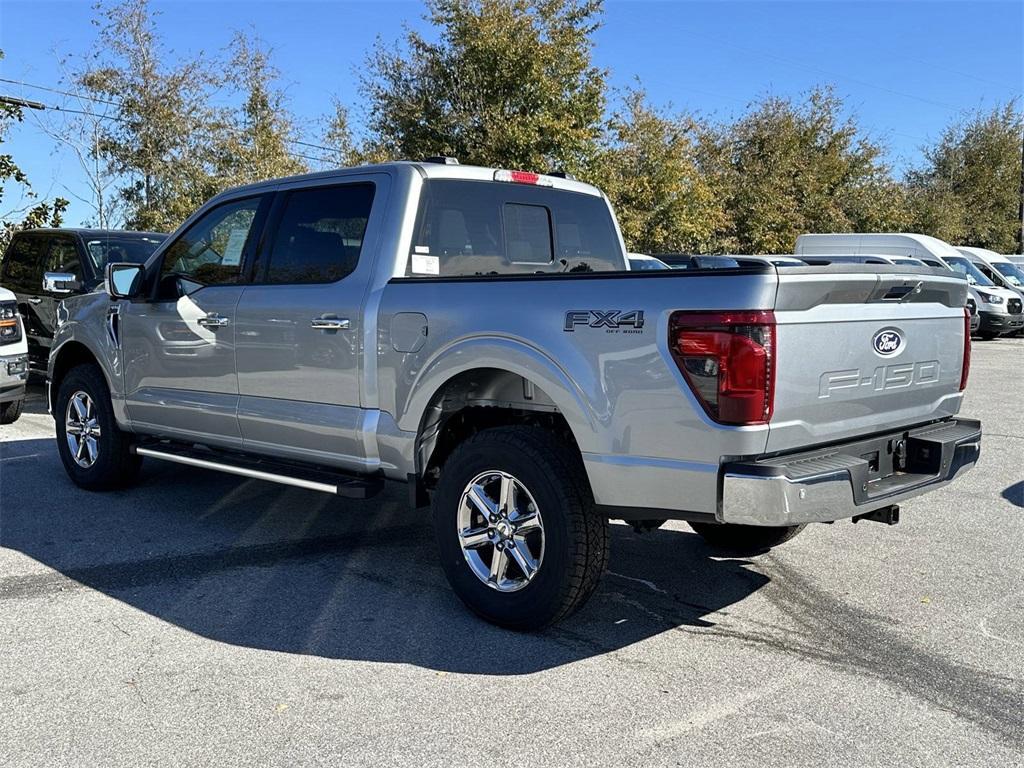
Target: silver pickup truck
x=476, y=334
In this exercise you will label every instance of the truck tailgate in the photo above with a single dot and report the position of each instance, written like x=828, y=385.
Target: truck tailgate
x=864, y=349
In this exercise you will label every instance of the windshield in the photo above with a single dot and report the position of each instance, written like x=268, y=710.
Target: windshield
x=122, y=247
x=968, y=270
x=1014, y=276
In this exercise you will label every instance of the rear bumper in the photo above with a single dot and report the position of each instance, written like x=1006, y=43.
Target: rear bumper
x=837, y=482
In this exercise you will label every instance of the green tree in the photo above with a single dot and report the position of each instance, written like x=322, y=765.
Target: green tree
x=164, y=137
x=789, y=168
x=30, y=212
x=967, y=191
x=257, y=144
x=663, y=201
x=507, y=82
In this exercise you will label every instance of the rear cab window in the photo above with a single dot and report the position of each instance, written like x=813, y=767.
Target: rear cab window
x=479, y=228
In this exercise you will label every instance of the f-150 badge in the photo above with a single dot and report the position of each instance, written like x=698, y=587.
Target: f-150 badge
x=611, y=319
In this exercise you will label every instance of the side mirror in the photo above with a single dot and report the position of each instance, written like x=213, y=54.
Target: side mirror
x=124, y=281
x=60, y=282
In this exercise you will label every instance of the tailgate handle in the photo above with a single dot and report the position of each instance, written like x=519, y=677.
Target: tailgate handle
x=903, y=292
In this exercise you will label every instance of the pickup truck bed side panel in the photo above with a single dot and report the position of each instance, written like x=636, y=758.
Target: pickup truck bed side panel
x=642, y=433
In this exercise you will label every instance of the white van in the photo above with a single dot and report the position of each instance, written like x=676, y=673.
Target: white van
x=998, y=268
x=1000, y=309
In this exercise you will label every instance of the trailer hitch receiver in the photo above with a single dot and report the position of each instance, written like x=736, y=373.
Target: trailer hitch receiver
x=889, y=515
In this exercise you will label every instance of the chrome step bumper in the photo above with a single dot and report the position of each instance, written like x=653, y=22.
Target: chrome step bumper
x=849, y=479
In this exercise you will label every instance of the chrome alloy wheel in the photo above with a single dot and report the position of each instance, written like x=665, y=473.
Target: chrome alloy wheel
x=82, y=429
x=501, y=531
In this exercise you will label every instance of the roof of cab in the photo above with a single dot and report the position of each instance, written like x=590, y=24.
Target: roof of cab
x=425, y=169
x=89, y=232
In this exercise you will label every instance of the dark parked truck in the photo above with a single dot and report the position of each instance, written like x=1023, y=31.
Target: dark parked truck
x=43, y=266
x=476, y=334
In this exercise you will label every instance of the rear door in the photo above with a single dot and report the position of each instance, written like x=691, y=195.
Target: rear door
x=300, y=327
x=858, y=352
x=179, y=346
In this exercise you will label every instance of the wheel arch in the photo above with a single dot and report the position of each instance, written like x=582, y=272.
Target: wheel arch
x=70, y=354
x=480, y=398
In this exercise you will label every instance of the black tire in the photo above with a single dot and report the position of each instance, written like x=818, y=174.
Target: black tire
x=575, y=536
x=10, y=411
x=745, y=540
x=115, y=466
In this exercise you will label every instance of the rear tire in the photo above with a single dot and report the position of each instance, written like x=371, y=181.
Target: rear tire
x=562, y=538
x=745, y=540
x=96, y=454
x=10, y=412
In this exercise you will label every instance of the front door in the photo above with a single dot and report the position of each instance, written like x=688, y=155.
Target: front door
x=179, y=346
x=300, y=327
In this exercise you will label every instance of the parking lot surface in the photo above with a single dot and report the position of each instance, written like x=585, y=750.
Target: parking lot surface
x=202, y=619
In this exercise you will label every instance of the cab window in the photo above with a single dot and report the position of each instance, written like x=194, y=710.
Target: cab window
x=210, y=251
x=62, y=256
x=23, y=263
x=319, y=236
x=497, y=228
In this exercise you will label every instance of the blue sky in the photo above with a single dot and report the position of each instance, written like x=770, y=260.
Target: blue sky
x=905, y=69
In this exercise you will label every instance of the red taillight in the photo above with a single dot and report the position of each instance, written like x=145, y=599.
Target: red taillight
x=966, y=370
x=728, y=359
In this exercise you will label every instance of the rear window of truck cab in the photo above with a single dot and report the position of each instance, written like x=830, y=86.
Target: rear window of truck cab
x=466, y=228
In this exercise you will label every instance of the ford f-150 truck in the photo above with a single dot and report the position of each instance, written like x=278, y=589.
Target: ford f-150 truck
x=477, y=334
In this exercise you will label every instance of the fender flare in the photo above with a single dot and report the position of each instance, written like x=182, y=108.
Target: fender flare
x=504, y=354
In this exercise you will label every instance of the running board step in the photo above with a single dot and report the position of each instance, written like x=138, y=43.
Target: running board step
x=349, y=486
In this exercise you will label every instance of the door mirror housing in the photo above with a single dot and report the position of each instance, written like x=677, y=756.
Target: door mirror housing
x=60, y=282
x=124, y=281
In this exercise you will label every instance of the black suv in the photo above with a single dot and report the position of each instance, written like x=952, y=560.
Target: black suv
x=71, y=261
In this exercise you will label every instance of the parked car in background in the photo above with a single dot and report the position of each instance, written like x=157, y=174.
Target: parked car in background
x=13, y=359
x=641, y=261
x=475, y=333
x=42, y=266
x=775, y=261
x=996, y=267
x=846, y=258
x=1001, y=310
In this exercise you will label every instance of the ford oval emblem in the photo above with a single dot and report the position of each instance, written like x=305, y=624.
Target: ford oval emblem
x=887, y=342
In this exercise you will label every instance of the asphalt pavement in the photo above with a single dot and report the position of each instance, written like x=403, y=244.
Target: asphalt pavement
x=203, y=619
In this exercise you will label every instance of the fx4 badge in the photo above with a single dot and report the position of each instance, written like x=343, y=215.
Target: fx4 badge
x=612, y=320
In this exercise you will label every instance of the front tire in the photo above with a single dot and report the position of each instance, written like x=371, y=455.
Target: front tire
x=519, y=538
x=745, y=540
x=10, y=411
x=96, y=454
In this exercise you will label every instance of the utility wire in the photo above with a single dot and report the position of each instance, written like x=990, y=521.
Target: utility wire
x=58, y=90
x=39, y=105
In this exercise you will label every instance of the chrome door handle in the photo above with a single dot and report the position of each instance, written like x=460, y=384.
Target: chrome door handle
x=213, y=321
x=35, y=300
x=330, y=324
